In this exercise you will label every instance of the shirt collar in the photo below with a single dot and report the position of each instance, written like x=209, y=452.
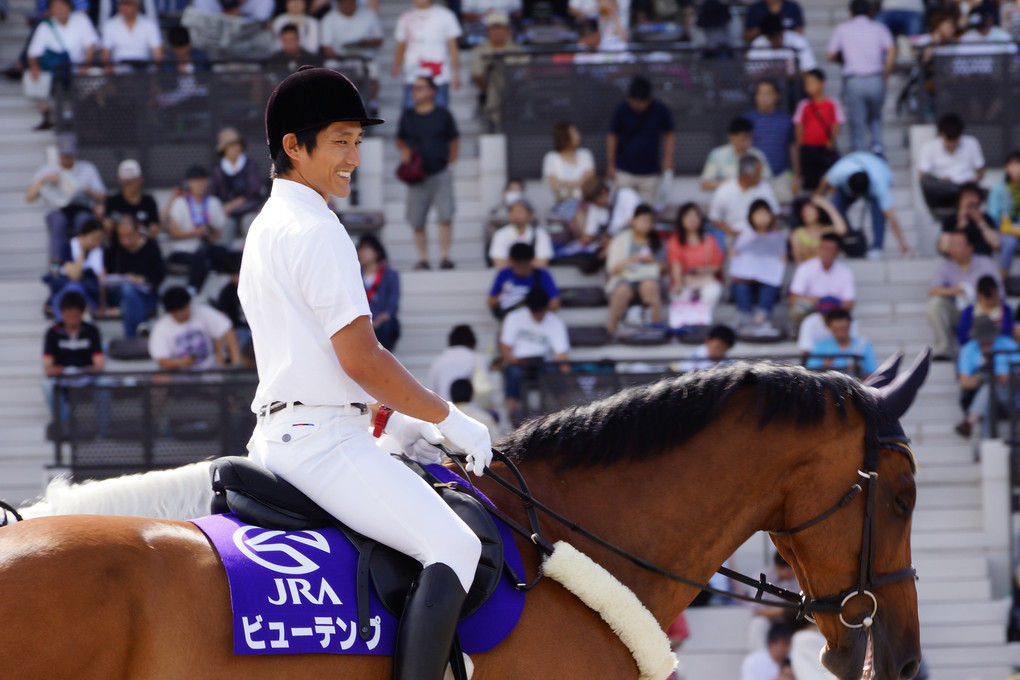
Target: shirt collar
x=289, y=189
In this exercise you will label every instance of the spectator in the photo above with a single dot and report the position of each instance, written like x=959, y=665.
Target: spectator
x=695, y=258
x=865, y=175
x=82, y=269
x=131, y=200
x=788, y=11
x=972, y=368
x=237, y=182
x=822, y=279
x=988, y=303
x=431, y=131
x=462, y=394
x=979, y=227
x=943, y=34
x=868, y=54
x=757, y=265
x=903, y=17
x=130, y=37
x=953, y=287
x=229, y=303
x=516, y=278
x=731, y=201
x=192, y=336
x=182, y=57
x=766, y=664
x=307, y=26
x=354, y=30
x=589, y=39
x=499, y=215
x=426, y=38
x=475, y=11
x=520, y=230
x=291, y=56
x=136, y=271
x=775, y=137
x=382, y=286
x=458, y=361
x=948, y=162
x=260, y=11
x=530, y=338
x=1004, y=209
x=639, y=146
x=813, y=330
x=775, y=37
x=614, y=22
x=806, y=240
x=71, y=346
x=195, y=222
x=70, y=189
x=635, y=263
x=843, y=351
x=487, y=71
x=723, y=161
x=817, y=120
x=604, y=212
x=565, y=169
x=981, y=22
x=719, y=341
x=66, y=39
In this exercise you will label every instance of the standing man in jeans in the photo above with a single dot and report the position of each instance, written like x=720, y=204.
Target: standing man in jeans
x=430, y=130
x=868, y=54
x=640, y=142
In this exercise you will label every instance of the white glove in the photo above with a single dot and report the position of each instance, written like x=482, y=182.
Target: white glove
x=470, y=436
x=417, y=438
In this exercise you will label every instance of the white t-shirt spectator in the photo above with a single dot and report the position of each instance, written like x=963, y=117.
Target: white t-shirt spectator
x=308, y=31
x=94, y=259
x=425, y=33
x=337, y=30
x=759, y=666
x=454, y=363
x=761, y=48
x=172, y=340
x=74, y=37
x=131, y=44
x=81, y=177
x=811, y=279
x=730, y=203
x=506, y=237
x=528, y=339
x=553, y=165
x=616, y=216
x=181, y=212
x=958, y=167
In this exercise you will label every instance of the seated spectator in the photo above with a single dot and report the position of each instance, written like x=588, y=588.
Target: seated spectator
x=195, y=222
x=614, y=23
x=973, y=370
x=458, y=361
x=978, y=225
x=237, y=182
x=822, y=279
x=530, y=339
x=426, y=37
x=462, y=394
x=513, y=282
x=695, y=258
x=73, y=191
x=81, y=269
x=291, y=56
x=565, y=169
x=635, y=263
x=307, y=26
x=487, y=71
x=843, y=351
x=229, y=303
x=382, y=286
x=192, y=336
x=788, y=11
x=987, y=303
x=806, y=239
x=813, y=330
x=476, y=10
x=903, y=17
x=231, y=29
x=982, y=28
x=712, y=352
x=767, y=663
x=862, y=174
x=255, y=10
x=954, y=287
x=948, y=162
x=774, y=36
x=757, y=266
x=131, y=200
x=774, y=135
x=130, y=37
x=71, y=346
x=723, y=161
x=352, y=29
x=520, y=230
x=1004, y=209
x=604, y=212
x=817, y=120
x=589, y=39
x=182, y=57
x=640, y=142
x=499, y=215
x=732, y=199
x=135, y=272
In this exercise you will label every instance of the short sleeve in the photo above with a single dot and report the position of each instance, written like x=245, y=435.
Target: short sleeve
x=451, y=126
x=160, y=344
x=499, y=249
x=550, y=165
x=712, y=169
x=835, y=42
x=798, y=113
x=543, y=245
x=217, y=218
x=50, y=343
x=585, y=160
x=40, y=41
x=925, y=162
x=402, y=127
x=559, y=340
x=179, y=214
x=979, y=156
x=798, y=15
x=95, y=179
x=549, y=284
x=216, y=323
x=508, y=334
x=616, y=121
x=497, y=283
x=155, y=39
x=452, y=25
x=665, y=118
x=95, y=341
x=799, y=284
x=716, y=211
x=400, y=32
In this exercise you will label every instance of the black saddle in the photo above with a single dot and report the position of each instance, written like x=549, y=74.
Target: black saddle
x=259, y=497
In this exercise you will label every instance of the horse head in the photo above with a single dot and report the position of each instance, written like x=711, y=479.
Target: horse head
x=856, y=568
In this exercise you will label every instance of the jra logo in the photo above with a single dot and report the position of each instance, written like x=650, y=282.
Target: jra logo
x=277, y=555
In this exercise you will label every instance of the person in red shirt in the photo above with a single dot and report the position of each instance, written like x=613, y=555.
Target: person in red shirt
x=694, y=257
x=816, y=122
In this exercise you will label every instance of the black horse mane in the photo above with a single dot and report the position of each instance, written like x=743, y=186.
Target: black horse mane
x=646, y=421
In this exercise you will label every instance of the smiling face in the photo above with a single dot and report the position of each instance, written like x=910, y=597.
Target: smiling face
x=329, y=166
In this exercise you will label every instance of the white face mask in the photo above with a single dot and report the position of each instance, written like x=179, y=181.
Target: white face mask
x=511, y=197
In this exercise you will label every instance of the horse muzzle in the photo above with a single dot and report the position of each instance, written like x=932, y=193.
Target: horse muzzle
x=870, y=654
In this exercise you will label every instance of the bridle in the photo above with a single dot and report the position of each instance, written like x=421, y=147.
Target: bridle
x=806, y=607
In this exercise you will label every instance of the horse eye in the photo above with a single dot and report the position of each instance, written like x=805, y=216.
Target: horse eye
x=902, y=506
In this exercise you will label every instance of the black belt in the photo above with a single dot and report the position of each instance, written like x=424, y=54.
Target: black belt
x=280, y=405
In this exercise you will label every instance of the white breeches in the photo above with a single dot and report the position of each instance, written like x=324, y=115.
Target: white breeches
x=333, y=459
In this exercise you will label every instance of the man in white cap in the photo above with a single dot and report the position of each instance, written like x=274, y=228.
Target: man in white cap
x=486, y=73
x=132, y=200
x=323, y=376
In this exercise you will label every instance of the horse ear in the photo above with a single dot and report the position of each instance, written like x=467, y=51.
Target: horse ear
x=885, y=373
x=897, y=397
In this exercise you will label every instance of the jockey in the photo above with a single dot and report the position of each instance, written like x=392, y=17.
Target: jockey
x=321, y=370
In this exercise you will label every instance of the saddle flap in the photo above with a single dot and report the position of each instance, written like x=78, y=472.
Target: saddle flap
x=259, y=497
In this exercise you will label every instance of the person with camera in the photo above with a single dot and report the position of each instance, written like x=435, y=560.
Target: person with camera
x=195, y=220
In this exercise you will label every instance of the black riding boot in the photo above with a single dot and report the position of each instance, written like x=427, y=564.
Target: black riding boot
x=426, y=631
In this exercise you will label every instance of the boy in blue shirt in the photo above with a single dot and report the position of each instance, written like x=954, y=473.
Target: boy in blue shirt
x=972, y=366
x=843, y=351
x=512, y=283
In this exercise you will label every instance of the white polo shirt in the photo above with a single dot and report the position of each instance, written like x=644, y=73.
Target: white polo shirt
x=528, y=339
x=958, y=167
x=811, y=279
x=730, y=202
x=300, y=284
x=74, y=37
x=131, y=44
x=508, y=236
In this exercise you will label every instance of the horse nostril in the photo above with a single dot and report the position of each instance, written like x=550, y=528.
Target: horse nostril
x=910, y=669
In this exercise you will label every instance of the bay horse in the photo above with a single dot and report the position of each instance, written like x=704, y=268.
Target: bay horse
x=680, y=473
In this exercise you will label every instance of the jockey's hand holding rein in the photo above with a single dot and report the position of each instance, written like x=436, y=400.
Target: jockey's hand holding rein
x=381, y=375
